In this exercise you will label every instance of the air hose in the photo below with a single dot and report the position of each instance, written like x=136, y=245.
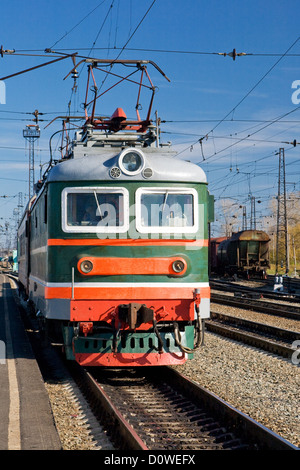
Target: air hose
x=160, y=341
x=199, y=335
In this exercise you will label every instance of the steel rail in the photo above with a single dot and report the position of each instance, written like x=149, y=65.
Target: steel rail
x=254, y=431
x=275, y=331
x=251, y=339
x=119, y=425
x=252, y=434
x=258, y=305
x=287, y=296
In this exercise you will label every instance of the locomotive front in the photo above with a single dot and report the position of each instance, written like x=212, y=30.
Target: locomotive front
x=114, y=248
x=127, y=256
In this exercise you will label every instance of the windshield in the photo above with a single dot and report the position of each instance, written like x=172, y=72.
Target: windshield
x=102, y=209
x=167, y=210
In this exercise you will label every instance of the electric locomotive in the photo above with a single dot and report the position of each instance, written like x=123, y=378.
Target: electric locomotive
x=113, y=248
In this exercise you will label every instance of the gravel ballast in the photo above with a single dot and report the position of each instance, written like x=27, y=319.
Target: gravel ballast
x=260, y=385
x=77, y=427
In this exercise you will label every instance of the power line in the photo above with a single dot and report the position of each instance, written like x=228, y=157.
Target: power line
x=253, y=133
x=101, y=27
x=13, y=179
x=246, y=95
x=137, y=27
x=130, y=37
x=77, y=24
x=21, y=148
x=269, y=123
x=166, y=51
x=225, y=120
x=233, y=176
x=224, y=137
x=27, y=112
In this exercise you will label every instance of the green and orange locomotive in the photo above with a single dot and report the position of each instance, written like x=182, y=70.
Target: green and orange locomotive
x=113, y=248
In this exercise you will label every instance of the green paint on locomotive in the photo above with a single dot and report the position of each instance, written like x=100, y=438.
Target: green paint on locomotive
x=55, y=263
x=61, y=259
x=128, y=342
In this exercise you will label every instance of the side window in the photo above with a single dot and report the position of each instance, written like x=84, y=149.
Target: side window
x=99, y=210
x=166, y=210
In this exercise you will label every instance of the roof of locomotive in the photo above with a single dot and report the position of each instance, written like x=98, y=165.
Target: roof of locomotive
x=96, y=165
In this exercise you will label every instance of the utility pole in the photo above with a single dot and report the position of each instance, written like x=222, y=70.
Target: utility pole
x=253, y=215
x=20, y=206
x=32, y=133
x=295, y=261
x=282, y=229
x=244, y=225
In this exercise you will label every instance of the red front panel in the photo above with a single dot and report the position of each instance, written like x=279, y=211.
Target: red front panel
x=130, y=359
x=107, y=310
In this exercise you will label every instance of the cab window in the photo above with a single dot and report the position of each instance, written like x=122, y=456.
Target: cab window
x=167, y=210
x=95, y=210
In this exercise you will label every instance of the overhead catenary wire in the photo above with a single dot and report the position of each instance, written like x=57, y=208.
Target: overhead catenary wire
x=245, y=138
x=238, y=178
x=101, y=27
x=130, y=37
x=123, y=48
x=253, y=133
x=77, y=24
x=76, y=75
x=166, y=51
x=246, y=95
x=136, y=28
x=231, y=137
x=215, y=121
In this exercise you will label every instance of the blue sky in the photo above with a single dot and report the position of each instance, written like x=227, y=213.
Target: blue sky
x=244, y=107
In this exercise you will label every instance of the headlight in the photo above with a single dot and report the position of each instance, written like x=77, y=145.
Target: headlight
x=131, y=161
x=86, y=266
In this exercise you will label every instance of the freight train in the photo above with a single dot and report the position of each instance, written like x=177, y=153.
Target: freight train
x=245, y=254
x=113, y=247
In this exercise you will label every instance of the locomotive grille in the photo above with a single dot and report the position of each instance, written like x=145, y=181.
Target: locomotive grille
x=132, y=342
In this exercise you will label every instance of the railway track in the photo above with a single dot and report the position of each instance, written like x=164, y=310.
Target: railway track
x=271, y=308
x=269, y=338
x=288, y=295
x=160, y=410
x=164, y=411
x=275, y=340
